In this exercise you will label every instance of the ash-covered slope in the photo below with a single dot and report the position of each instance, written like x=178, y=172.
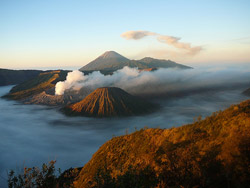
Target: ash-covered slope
x=108, y=102
x=49, y=98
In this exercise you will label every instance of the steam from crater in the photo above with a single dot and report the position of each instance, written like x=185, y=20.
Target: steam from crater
x=72, y=80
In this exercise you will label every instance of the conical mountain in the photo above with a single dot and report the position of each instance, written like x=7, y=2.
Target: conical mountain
x=110, y=60
x=108, y=102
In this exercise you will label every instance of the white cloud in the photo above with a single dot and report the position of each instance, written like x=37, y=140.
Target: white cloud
x=170, y=40
x=156, y=82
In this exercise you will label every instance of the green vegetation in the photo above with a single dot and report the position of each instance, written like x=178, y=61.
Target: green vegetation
x=46, y=177
x=10, y=77
x=42, y=82
x=145, y=178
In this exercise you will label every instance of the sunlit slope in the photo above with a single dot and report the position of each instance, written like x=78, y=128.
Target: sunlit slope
x=212, y=152
x=108, y=102
x=42, y=82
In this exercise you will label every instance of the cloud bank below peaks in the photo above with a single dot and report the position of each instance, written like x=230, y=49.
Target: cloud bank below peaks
x=161, y=81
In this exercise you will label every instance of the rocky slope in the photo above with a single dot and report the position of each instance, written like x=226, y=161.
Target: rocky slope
x=213, y=152
x=109, y=102
x=49, y=98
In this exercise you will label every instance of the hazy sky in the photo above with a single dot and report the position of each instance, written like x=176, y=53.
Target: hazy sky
x=54, y=33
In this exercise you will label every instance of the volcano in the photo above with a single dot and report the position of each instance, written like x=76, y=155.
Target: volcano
x=112, y=61
x=109, y=102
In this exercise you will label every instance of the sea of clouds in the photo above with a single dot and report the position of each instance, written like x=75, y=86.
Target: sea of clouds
x=157, y=82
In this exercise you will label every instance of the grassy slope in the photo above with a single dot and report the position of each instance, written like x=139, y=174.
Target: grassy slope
x=222, y=139
x=37, y=85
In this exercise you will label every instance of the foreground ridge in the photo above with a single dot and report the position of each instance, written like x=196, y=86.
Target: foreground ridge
x=208, y=153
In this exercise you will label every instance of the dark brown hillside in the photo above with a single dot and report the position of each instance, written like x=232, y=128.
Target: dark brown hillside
x=213, y=152
x=247, y=92
x=108, y=102
x=43, y=82
x=11, y=77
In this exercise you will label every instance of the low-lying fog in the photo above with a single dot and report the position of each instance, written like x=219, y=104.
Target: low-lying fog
x=32, y=134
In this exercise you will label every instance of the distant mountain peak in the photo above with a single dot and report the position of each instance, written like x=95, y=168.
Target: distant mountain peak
x=111, y=61
x=147, y=59
x=152, y=59
x=111, y=54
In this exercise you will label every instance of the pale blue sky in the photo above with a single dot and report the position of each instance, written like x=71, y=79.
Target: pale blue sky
x=42, y=33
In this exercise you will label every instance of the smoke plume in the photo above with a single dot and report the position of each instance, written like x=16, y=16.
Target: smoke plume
x=170, y=40
x=156, y=82
x=72, y=80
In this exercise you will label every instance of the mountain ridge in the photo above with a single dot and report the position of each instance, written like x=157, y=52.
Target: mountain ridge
x=246, y=92
x=111, y=61
x=44, y=81
x=11, y=77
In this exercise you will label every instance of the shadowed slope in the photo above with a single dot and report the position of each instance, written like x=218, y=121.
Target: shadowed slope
x=161, y=63
x=10, y=77
x=107, y=102
x=247, y=92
